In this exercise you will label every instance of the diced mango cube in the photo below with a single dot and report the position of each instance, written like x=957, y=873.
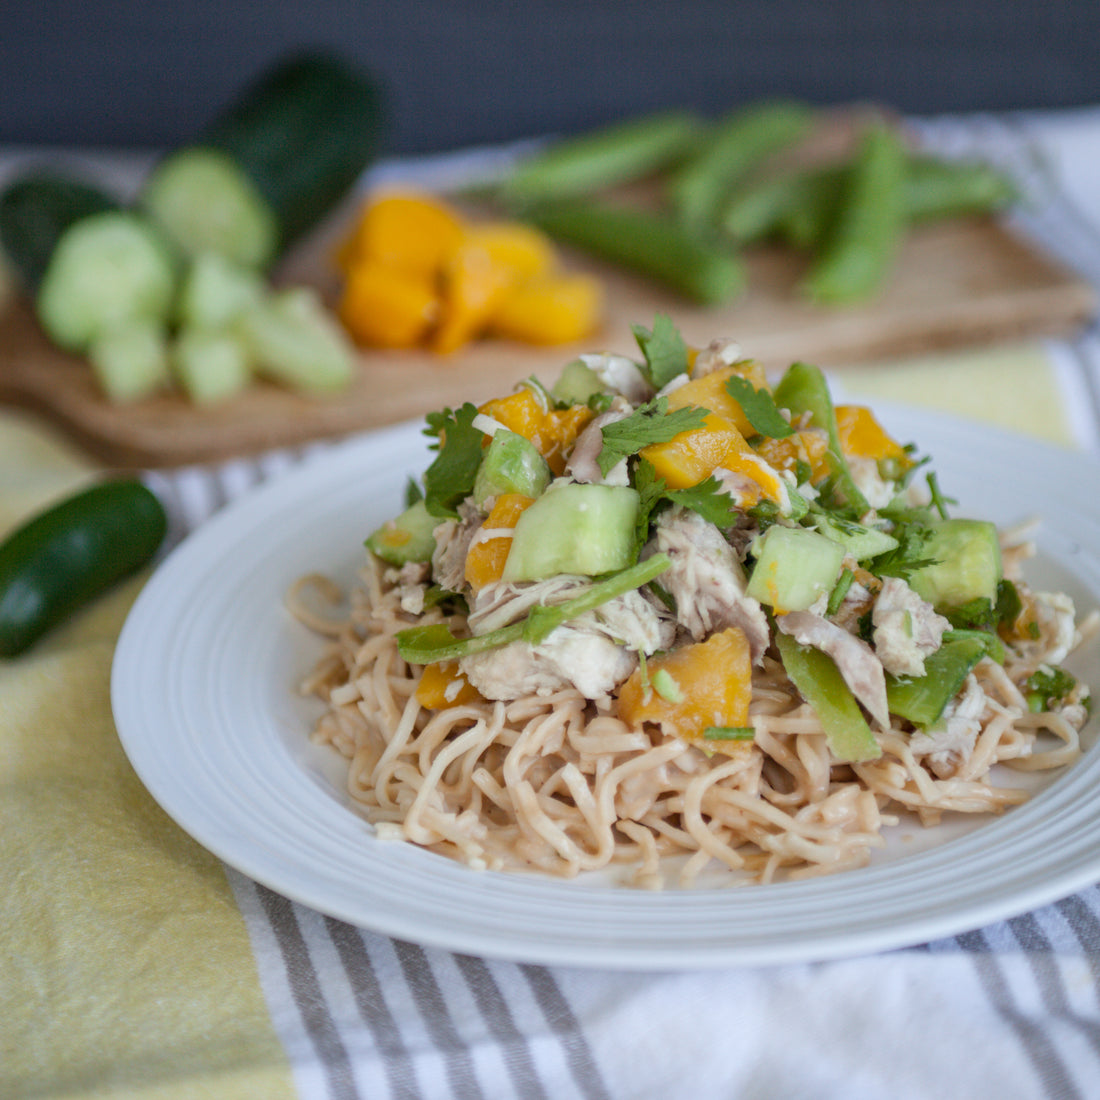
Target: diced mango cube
x=709, y=392
x=485, y=559
x=443, y=685
x=714, y=682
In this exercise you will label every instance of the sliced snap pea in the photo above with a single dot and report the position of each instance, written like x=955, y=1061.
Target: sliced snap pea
x=869, y=224
x=602, y=158
x=736, y=145
x=650, y=243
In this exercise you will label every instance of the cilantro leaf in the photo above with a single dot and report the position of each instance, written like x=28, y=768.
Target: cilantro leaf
x=759, y=408
x=450, y=478
x=649, y=423
x=907, y=557
x=651, y=491
x=665, y=352
x=709, y=499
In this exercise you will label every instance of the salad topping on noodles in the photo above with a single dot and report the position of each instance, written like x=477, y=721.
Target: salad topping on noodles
x=665, y=609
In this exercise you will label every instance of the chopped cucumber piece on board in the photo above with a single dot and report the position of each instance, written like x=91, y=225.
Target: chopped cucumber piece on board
x=131, y=362
x=210, y=366
x=215, y=290
x=107, y=270
x=294, y=341
x=205, y=203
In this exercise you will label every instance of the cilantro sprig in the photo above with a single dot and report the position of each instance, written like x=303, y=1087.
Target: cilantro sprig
x=649, y=423
x=759, y=408
x=666, y=354
x=450, y=477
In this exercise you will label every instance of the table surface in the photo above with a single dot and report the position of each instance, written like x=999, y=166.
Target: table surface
x=137, y=965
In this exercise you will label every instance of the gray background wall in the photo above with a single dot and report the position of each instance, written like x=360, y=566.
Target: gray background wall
x=144, y=73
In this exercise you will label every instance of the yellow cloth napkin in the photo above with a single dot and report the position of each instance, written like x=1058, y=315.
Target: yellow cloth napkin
x=125, y=967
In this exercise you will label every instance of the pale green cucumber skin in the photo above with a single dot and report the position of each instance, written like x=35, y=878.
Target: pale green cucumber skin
x=576, y=529
x=969, y=563
x=512, y=464
x=794, y=567
x=108, y=270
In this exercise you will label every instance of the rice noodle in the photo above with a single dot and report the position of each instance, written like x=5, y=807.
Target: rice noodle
x=559, y=785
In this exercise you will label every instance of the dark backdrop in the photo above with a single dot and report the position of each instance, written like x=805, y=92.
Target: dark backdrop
x=146, y=73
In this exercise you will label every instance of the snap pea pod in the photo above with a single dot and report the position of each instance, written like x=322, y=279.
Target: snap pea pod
x=650, y=243
x=803, y=389
x=616, y=154
x=869, y=225
x=736, y=145
x=799, y=206
x=819, y=682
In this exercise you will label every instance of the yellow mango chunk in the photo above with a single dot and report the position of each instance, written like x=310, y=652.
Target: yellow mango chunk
x=862, y=436
x=472, y=287
x=403, y=232
x=713, y=682
x=443, y=685
x=692, y=456
x=553, y=309
x=387, y=309
x=524, y=250
x=709, y=392
x=553, y=432
x=485, y=559
x=808, y=445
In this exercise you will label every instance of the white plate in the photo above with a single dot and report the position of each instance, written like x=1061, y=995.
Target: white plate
x=203, y=694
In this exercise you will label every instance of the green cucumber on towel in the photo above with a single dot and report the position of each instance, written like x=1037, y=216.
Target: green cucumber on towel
x=61, y=559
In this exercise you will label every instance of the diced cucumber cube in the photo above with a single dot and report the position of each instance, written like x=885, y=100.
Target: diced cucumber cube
x=406, y=538
x=512, y=464
x=794, y=567
x=967, y=553
x=210, y=366
x=131, y=362
x=578, y=529
x=858, y=540
x=577, y=383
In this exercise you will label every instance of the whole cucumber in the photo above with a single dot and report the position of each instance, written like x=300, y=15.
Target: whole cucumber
x=65, y=556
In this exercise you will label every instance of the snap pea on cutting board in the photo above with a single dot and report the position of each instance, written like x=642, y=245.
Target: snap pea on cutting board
x=62, y=558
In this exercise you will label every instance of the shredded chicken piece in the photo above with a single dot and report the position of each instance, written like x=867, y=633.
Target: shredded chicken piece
x=594, y=652
x=854, y=658
x=452, y=544
x=870, y=482
x=706, y=580
x=583, y=463
x=620, y=374
x=948, y=745
x=719, y=353
x=906, y=628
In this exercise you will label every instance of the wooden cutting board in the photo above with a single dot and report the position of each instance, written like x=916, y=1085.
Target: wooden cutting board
x=956, y=284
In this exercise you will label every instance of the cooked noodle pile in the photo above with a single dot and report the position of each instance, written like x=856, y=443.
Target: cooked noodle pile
x=558, y=784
